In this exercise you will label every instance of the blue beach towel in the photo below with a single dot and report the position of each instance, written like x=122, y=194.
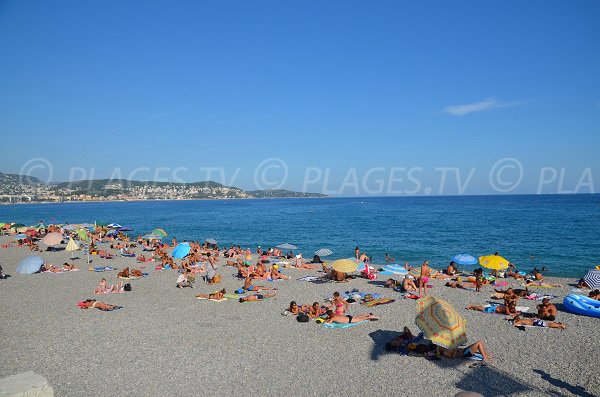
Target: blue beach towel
x=346, y=325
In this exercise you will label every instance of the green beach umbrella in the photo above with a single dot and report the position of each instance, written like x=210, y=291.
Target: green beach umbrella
x=2, y=224
x=82, y=234
x=99, y=223
x=159, y=232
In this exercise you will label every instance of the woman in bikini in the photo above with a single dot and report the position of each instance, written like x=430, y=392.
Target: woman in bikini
x=347, y=319
x=94, y=304
x=424, y=278
x=340, y=304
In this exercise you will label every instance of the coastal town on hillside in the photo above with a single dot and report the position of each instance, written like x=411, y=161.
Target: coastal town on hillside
x=19, y=189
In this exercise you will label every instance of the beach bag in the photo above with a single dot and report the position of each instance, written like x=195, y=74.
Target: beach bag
x=302, y=318
x=127, y=287
x=216, y=279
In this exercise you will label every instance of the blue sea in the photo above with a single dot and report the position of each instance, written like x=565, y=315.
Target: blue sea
x=560, y=232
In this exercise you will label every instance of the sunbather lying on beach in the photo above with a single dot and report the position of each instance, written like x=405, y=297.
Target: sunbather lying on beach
x=529, y=283
x=315, y=310
x=254, y=298
x=405, y=337
x=595, y=294
x=217, y=295
x=69, y=268
x=466, y=352
x=455, y=284
x=295, y=309
x=522, y=293
x=536, y=322
x=48, y=267
x=93, y=303
x=500, y=309
x=248, y=286
x=346, y=318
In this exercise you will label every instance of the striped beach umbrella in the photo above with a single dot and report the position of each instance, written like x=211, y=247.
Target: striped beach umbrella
x=323, y=252
x=592, y=279
x=440, y=322
x=211, y=241
x=287, y=246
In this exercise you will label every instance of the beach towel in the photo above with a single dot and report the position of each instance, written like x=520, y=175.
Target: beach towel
x=101, y=269
x=214, y=300
x=537, y=297
x=378, y=301
x=128, y=255
x=345, y=325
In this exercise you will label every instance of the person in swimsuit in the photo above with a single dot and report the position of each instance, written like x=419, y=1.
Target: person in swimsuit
x=340, y=304
x=255, y=298
x=217, y=295
x=424, y=278
x=466, y=352
x=295, y=309
x=595, y=294
x=511, y=309
x=248, y=286
x=546, y=310
x=408, y=284
x=536, y=322
x=346, y=318
x=315, y=310
x=93, y=303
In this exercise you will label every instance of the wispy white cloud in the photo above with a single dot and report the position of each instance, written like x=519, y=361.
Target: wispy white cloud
x=481, y=106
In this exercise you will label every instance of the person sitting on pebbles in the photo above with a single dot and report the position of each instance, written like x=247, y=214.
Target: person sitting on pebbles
x=546, y=310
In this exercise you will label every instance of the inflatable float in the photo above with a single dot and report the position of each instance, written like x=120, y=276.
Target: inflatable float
x=583, y=305
x=394, y=268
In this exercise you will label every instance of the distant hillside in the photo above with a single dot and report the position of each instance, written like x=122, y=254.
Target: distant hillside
x=16, y=188
x=18, y=179
x=279, y=193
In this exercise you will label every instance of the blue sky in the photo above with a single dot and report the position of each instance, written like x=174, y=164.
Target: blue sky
x=167, y=90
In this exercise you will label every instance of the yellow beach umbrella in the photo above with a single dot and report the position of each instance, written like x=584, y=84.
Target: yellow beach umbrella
x=345, y=265
x=72, y=246
x=494, y=262
x=440, y=322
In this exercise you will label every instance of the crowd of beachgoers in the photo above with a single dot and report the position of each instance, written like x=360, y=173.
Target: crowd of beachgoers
x=205, y=262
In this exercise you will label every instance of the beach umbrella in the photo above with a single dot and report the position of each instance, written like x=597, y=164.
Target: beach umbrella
x=114, y=226
x=394, y=268
x=16, y=225
x=100, y=223
x=464, y=259
x=323, y=252
x=151, y=237
x=125, y=229
x=112, y=232
x=19, y=236
x=72, y=246
x=494, y=262
x=181, y=250
x=82, y=234
x=2, y=224
x=51, y=239
x=440, y=322
x=30, y=265
x=40, y=226
x=211, y=241
x=22, y=229
x=159, y=232
x=344, y=265
x=592, y=279
x=69, y=227
x=287, y=246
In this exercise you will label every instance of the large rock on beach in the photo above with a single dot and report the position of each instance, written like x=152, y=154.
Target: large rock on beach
x=27, y=384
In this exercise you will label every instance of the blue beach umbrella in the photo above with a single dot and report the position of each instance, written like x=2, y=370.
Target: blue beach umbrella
x=30, y=265
x=464, y=259
x=19, y=236
x=181, y=250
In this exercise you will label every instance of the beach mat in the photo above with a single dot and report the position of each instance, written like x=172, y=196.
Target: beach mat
x=214, y=300
x=378, y=301
x=345, y=325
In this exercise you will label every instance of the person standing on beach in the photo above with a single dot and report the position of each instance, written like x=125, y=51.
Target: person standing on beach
x=356, y=252
x=211, y=269
x=424, y=278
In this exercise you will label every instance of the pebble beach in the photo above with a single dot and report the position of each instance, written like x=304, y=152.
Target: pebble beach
x=164, y=341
